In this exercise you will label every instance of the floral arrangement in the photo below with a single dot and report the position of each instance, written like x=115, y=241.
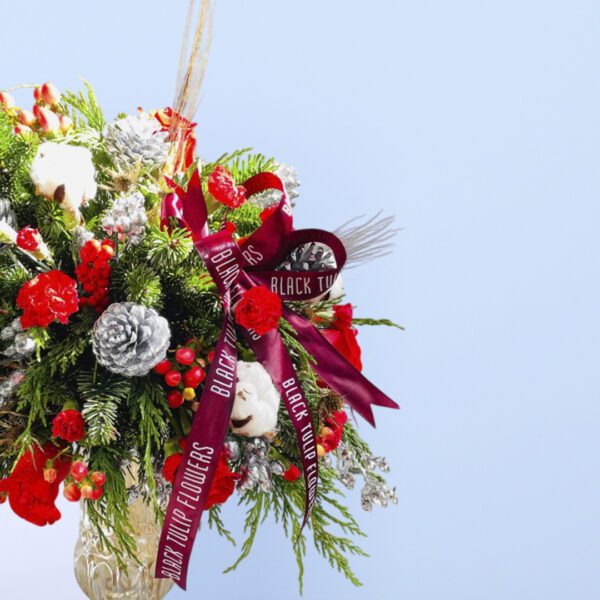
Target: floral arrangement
x=160, y=312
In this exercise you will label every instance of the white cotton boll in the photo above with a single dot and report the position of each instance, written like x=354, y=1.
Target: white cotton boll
x=66, y=174
x=256, y=402
x=334, y=293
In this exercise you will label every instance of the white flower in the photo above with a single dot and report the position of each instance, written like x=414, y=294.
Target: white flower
x=256, y=401
x=64, y=173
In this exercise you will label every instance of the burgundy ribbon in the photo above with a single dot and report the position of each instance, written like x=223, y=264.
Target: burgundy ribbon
x=236, y=269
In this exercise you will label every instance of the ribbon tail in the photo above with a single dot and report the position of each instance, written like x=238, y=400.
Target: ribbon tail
x=200, y=459
x=337, y=372
x=272, y=353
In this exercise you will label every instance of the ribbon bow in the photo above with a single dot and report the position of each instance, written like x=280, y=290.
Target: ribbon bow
x=235, y=269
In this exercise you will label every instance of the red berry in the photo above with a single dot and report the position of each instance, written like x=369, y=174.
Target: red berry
x=87, y=491
x=106, y=252
x=72, y=492
x=292, y=474
x=99, y=478
x=194, y=377
x=163, y=367
x=173, y=378
x=97, y=494
x=185, y=356
x=230, y=227
x=175, y=399
x=210, y=356
x=79, y=470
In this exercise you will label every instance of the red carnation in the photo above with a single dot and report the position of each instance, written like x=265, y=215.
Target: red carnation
x=69, y=426
x=49, y=296
x=259, y=309
x=342, y=335
x=292, y=474
x=223, y=189
x=30, y=496
x=28, y=239
x=170, y=467
x=222, y=485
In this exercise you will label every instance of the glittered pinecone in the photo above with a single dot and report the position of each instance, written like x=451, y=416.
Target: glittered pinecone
x=289, y=178
x=81, y=235
x=136, y=139
x=309, y=257
x=6, y=213
x=127, y=218
x=130, y=339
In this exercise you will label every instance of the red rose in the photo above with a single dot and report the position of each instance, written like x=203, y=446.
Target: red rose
x=334, y=428
x=342, y=335
x=222, y=485
x=223, y=189
x=30, y=496
x=28, y=239
x=259, y=309
x=69, y=425
x=292, y=474
x=49, y=296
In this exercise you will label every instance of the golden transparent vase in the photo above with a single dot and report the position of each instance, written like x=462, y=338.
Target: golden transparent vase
x=97, y=571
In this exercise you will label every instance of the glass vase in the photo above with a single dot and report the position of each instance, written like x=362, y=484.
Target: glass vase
x=97, y=571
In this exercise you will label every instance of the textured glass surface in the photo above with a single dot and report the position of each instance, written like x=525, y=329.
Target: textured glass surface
x=98, y=572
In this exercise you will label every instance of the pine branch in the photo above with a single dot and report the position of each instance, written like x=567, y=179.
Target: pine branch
x=101, y=398
x=84, y=108
x=384, y=322
x=166, y=250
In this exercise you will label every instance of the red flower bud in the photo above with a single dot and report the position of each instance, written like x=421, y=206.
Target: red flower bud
x=185, y=356
x=22, y=130
x=79, y=470
x=50, y=94
x=65, y=123
x=49, y=122
x=50, y=474
x=26, y=117
x=72, y=492
x=7, y=101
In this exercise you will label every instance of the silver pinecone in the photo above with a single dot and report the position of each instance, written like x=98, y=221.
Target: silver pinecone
x=136, y=139
x=127, y=218
x=309, y=257
x=130, y=339
x=6, y=213
x=289, y=178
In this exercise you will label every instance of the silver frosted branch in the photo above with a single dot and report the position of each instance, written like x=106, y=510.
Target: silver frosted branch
x=367, y=240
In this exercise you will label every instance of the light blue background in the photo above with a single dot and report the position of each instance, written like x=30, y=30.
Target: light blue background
x=477, y=124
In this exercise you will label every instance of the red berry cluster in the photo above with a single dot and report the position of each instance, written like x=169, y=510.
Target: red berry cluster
x=93, y=272
x=184, y=375
x=83, y=484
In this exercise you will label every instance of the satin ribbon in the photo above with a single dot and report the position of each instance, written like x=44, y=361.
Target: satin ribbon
x=235, y=269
